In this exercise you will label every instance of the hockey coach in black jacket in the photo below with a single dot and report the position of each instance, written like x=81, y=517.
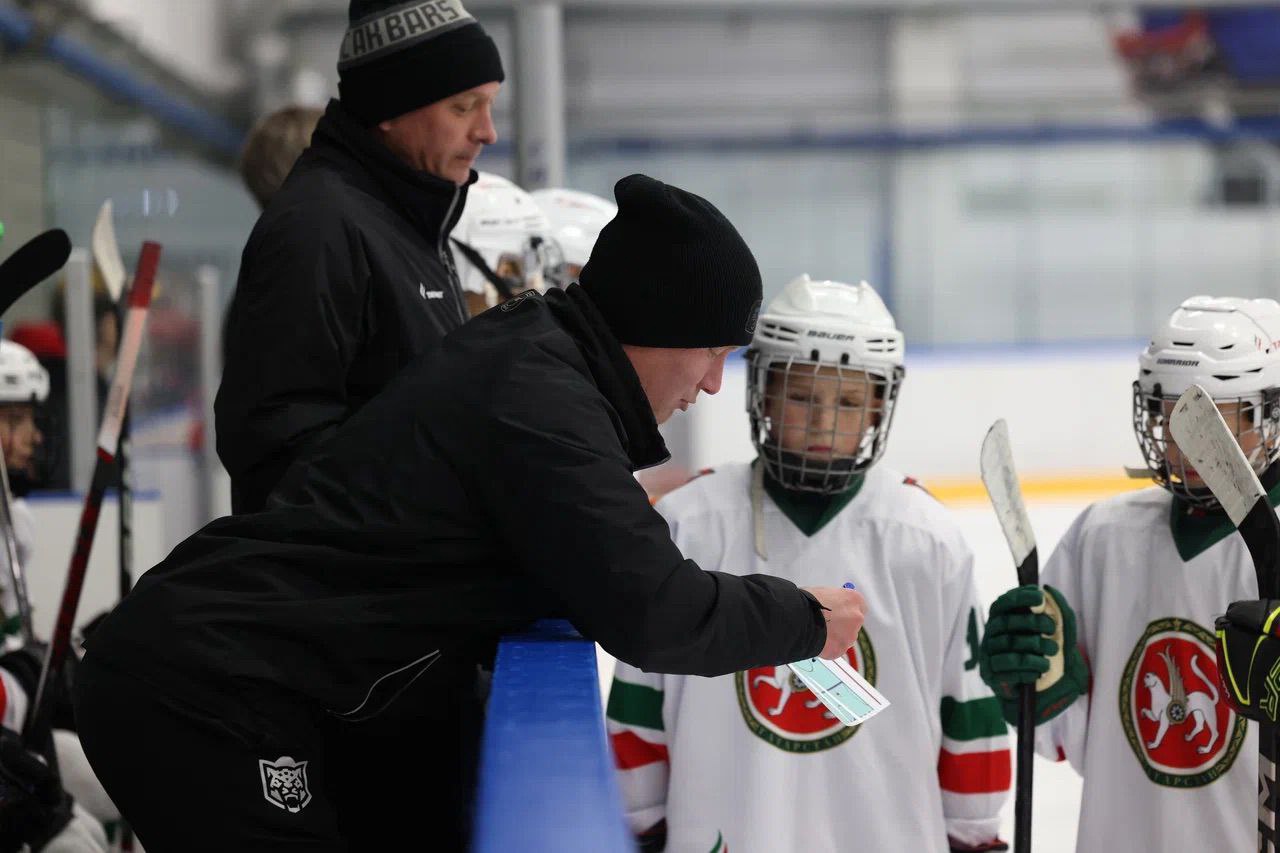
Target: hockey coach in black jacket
x=490, y=484
x=348, y=275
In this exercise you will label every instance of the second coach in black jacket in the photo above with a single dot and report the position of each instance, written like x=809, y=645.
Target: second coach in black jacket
x=348, y=276
x=490, y=484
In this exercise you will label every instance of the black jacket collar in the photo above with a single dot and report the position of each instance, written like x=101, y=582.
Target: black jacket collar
x=613, y=374
x=431, y=203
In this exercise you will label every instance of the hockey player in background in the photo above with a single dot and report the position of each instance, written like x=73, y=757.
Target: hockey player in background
x=501, y=243
x=35, y=809
x=1125, y=619
x=575, y=219
x=752, y=762
x=24, y=386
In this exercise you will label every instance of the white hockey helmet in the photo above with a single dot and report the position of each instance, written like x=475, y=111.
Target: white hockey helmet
x=576, y=219
x=809, y=326
x=501, y=240
x=22, y=378
x=1230, y=347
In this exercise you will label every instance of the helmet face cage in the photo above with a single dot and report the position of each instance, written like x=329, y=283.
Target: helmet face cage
x=845, y=415
x=556, y=267
x=523, y=269
x=1253, y=418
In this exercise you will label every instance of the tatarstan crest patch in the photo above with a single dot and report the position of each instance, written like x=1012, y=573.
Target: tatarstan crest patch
x=779, y=709
x=1179, y=725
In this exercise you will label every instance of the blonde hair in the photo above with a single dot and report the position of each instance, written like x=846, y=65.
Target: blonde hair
x=273, y=146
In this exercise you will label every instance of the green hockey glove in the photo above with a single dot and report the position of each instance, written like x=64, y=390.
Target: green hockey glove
x=1031, y=639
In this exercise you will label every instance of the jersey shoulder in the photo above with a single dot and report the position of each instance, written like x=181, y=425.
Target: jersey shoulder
x=1141, y=509
x=1132, y=519
x=896, y=498
x=718, y=491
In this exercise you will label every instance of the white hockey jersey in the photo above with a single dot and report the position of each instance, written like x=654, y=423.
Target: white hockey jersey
x=752, y=763
x=1166, y=764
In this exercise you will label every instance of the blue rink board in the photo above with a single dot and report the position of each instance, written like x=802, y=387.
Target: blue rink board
x=546, y=774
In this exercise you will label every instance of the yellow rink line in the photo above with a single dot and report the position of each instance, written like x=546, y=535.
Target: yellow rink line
x=1053, y=487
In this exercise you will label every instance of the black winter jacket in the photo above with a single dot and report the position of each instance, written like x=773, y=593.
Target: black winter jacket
x=490, y=484
x=346, y=277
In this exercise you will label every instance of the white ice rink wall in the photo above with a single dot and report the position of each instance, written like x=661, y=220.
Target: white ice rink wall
x=1068, y=408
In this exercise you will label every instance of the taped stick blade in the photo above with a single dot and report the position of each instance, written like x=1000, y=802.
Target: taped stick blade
x=1206, y=441
x=1001, y=480
x=106, y=252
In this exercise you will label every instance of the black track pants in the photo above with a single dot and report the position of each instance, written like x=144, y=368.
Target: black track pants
x=187, y=782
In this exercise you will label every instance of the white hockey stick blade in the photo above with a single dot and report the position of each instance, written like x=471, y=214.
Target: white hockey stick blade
x=106, y=252
x=1208, y=444
x=1001, y=480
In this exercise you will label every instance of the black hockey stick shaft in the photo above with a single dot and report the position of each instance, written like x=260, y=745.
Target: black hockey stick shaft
x=1028, y=575
x=1001, y=480
x=124, y=490
x=108, y=444
x=32, y=263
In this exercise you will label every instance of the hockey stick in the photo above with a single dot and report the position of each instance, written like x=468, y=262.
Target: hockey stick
x=31, y=264
x=1205, y=440
x=106, y=252
x=1001, y=480
x=106, y=256
x=108, y=441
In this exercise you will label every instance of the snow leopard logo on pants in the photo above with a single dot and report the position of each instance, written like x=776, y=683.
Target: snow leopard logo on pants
x=284, y=783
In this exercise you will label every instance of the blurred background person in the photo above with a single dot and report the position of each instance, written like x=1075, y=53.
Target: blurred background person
x=273, y=146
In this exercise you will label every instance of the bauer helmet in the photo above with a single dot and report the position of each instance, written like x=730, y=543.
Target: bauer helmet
x=502, y=239
x=22, y=378
x=576, y=219
x=828, y=340
x=1230, y=347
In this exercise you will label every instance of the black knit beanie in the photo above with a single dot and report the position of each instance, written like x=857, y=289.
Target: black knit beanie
x=671, y=271
x=397, y=56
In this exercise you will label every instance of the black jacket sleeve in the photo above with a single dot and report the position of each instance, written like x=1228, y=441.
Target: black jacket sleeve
x=292, y=331
x=555, y=478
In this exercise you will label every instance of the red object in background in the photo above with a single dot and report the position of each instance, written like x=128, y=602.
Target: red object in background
x=1178, y=39
x=45, y=339
x=1169, y=52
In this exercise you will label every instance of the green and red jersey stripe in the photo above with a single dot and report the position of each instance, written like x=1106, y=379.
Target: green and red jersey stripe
x=975, y=772
x=630, y=751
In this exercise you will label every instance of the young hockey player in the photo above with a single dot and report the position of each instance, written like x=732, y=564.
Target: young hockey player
x=752, y=761
x=24, y=385
x=34, y=807
x=575, y=218
x=1134, y=701
x=501, y=243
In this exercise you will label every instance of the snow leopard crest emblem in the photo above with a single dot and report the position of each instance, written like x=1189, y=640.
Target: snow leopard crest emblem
x=1180, y=727
x=284, y=783
x=779, y=709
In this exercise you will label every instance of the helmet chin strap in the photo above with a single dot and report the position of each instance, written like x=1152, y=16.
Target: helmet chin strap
x=757, y=508
x=476, y=260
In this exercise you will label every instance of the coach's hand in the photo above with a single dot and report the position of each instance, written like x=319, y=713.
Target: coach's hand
x=844, y=610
